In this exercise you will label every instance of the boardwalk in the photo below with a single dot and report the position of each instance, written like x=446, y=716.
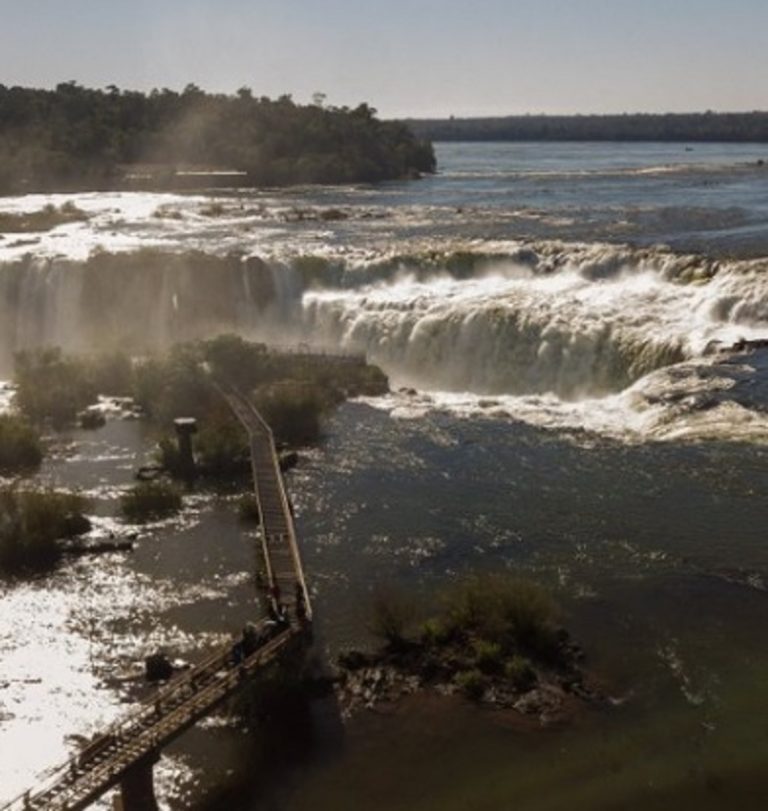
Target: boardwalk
x=285, y=572
x=132, y=745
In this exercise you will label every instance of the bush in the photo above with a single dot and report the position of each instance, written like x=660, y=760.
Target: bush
x=434, y=632
x=91, y=419
x=20, y=447
x=515, y=614
x=222, y=448
x=52, y=386
x=488, y=656
x=292, y=411
x=176, y=385
x=248, y=508
x=520, y=672
x=234, y=360
x=58, y=387
x=169, y=458
x=472, y=683
x=31, y=524
x=150, y=501
x=111, y=374
x=392, y=616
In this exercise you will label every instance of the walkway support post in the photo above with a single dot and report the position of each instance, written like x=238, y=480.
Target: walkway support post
x=137, y=788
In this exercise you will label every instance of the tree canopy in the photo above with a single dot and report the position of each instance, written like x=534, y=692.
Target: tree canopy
x=76, y=137
x=709, y=126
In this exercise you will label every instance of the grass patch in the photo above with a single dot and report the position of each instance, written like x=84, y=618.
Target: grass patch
x=31, y=524
x=150, y=501
x=20, y=446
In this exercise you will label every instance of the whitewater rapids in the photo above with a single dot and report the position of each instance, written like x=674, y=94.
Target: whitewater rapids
x=567, y=335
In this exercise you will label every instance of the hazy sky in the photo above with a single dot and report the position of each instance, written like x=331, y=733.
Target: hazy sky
x=407, y=57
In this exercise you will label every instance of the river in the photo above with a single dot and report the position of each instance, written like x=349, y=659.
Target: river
x=548, y=315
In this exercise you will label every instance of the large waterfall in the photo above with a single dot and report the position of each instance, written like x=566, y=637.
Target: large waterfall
x=135, y=301
x=573, y=320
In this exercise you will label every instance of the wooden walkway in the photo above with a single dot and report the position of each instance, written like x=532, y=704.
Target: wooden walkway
x=174, y=708
x=285, y=573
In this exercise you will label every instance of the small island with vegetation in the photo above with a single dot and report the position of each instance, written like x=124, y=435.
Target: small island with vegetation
x=35, y=524
x=77, y=138
x=494, y=638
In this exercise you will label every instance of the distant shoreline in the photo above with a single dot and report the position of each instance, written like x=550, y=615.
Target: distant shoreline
x=629, y=128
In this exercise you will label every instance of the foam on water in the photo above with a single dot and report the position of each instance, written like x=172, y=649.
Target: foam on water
x=6, y=396
x=553, y=332
x=588, y=338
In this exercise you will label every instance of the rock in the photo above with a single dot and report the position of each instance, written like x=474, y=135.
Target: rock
x=288, y=461
x=99, y=548
x=544, y=700
x=743, y=344
x=76, y=524
x=158, y=667
x=90, y=419
x=330, y=214
x=148, y=473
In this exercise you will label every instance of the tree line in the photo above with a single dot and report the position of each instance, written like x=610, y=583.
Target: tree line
x=708, y=126
x=78, y=137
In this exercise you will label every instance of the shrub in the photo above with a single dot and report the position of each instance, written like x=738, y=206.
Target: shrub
x=392, y=615
x=20, y=447
x=472, y=683
x=31, y=523
x=90, y=419
x=434, y=632
x=520, y=672
x=235, y=360
x=150, y=501
x=248, y=508
x=111, y=373
x=169, y=458
x=175, y=386
x=488, y=656
x=514, y=613
x=222, y=448
x=52, y=386
x=293, y=411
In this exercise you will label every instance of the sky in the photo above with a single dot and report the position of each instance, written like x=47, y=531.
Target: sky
x=421, y=58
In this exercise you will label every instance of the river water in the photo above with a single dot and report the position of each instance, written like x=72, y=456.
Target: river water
x=547, y=314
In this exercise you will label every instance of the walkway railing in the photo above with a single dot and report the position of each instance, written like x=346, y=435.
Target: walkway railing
x=153, y=725
x=285, y=572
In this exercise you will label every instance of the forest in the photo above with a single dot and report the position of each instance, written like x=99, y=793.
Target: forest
x=73, y=137
x=709, y=126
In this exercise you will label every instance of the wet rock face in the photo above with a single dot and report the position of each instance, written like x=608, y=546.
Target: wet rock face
x=366, y=687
